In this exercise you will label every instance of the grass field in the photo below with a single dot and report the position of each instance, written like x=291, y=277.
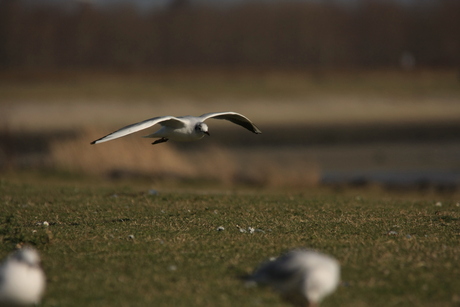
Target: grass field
x=119, y=245
x=207, y=85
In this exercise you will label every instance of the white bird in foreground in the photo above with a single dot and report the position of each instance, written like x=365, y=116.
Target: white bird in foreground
x=182, y=128
x=22, y=280
x=303, y=277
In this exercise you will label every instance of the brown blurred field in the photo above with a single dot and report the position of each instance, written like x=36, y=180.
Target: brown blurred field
x=356, y=122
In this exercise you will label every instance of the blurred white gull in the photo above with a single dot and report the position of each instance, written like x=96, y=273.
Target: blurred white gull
x=303, y=277
x=22, y=280
x=182, y=128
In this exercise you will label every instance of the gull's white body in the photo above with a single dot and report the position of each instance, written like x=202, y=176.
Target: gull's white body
x=303, y=277
x=22, y=280
x=180, y=133
x=182, y=128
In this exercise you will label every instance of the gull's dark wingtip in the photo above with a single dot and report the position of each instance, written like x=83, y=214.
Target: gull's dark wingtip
x=93, y=142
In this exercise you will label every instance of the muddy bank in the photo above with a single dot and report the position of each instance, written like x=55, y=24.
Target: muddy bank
x=419, y=155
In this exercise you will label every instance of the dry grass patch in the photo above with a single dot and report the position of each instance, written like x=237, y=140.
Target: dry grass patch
x=135, y=157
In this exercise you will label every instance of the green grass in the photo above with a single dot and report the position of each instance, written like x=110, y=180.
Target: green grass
x=178, y=258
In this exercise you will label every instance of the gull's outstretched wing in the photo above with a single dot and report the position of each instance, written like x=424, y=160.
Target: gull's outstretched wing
x=235, y=118
x=163, y=120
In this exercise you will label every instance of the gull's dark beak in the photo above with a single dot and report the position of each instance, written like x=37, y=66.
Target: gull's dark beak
x=206, y=132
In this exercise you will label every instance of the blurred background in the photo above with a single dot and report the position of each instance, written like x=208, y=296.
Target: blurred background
x=346, y=93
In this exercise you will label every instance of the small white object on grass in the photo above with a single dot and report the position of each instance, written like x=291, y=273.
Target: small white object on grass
x=46, y=224
x=220, y=228
x=241, y=229
x=303, y=277
x=182, y=128
x=172, y=267
x=22, y=280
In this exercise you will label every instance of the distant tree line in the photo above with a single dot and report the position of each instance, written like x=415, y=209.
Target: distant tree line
x=299, y=35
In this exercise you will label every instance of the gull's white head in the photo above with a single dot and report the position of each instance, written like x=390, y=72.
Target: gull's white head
x=202, y=128
x=27, y=255
x=22, y=280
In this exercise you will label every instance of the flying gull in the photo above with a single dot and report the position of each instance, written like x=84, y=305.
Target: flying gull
x=181, y=128
x=302, y=277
